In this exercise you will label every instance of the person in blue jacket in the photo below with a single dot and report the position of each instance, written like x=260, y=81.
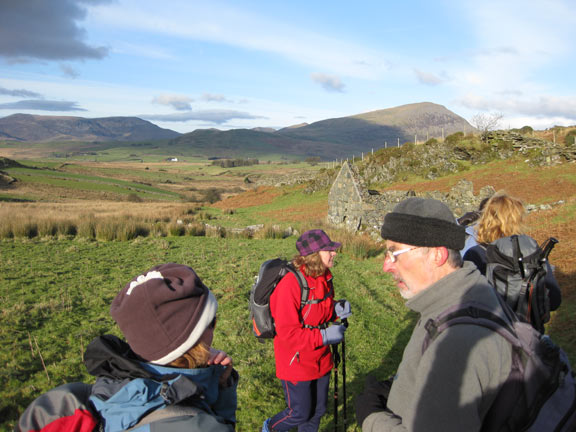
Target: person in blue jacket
x=165, y=376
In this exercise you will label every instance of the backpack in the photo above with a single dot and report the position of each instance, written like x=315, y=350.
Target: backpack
x=516, y=267
x=270, y=273
x=540, y=391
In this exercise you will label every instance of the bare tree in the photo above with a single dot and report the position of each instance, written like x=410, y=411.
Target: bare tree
x=486, y=122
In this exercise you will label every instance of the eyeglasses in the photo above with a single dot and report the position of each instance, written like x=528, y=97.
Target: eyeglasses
x=393, y=254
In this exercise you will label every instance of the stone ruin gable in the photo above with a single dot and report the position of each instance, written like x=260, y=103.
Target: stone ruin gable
x=352, y=206
x=346, y=199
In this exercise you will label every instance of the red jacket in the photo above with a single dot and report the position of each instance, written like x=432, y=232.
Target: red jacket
x=299, y=352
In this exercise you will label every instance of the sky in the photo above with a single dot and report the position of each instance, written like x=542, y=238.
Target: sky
x=187, y=64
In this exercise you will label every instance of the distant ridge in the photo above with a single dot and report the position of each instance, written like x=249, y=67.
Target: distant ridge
x=374, y=129
x=328, y=139
x=27, y=127
x=331, y=138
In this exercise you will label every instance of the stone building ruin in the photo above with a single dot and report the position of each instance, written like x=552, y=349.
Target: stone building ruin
x=355, y=207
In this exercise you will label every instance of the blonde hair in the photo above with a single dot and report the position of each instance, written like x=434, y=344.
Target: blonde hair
x=313, y=265
x=502, y=216
x=195, y=357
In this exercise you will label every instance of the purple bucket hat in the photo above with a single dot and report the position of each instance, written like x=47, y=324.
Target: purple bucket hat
x=314, y=241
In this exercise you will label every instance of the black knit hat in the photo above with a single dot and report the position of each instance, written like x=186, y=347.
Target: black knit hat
x=423, y=222
x=163, y=312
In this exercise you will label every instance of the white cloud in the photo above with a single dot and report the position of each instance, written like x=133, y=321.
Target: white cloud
x=210, y=97
x=210, y=116
x=143, y=50
x=42, y=105
x=429, y=78
x=543, y=106
x=329, y=82
x=179, y=103
x=221, y=23
x=19, y=93
x=69, y=72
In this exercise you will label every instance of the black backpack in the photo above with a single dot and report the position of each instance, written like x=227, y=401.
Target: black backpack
x=539, y=394
x=270, y=273
x=516, y=267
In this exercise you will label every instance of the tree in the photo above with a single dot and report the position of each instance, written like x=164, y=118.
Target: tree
x=486, y=122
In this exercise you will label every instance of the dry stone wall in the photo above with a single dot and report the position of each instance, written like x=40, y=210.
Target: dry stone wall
x=353, y=206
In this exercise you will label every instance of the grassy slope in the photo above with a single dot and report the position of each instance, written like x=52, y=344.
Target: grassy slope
x=55, y=298
x=46, y=285
x=47, y=180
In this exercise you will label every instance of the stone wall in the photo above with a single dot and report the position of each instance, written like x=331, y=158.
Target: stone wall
x=352, y=206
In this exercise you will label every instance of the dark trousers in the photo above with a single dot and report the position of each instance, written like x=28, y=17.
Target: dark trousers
x=306, y=404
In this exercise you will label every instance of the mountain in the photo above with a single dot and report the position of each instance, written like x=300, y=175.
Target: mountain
x=237, y=143
x=373, y=129
x=329, y=139
x=332, y=138
x=26, y=127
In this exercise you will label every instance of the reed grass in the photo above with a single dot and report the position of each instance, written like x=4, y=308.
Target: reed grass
x=177, y=229
x=24, y=228
x=196, y=229
x=270, y=232
x=87, y=227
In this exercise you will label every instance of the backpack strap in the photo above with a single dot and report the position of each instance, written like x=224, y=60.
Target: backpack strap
x=473, y=313
x=305, y=293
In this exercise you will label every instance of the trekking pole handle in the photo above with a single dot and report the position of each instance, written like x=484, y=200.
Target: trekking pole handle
x=548, y=248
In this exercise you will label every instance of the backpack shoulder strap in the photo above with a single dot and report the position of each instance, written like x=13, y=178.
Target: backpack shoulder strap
x=305, y=292
x=469, y=313
x=304, y=288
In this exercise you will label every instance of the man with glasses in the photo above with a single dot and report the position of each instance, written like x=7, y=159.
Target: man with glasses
x=450, y=385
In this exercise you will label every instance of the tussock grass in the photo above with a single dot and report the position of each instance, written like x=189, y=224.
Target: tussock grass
x=87, y=227
x=270, y=232
x=196, y=229
x=176, y=229
x=24, y=228
x=102, y=222
x=359, y=246
x=215, y=231
x=6, y=231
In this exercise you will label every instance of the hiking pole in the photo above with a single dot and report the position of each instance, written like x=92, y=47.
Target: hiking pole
x=336, y=363
x=344, y=415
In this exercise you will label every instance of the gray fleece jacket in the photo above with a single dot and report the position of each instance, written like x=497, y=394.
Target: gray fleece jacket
x=451, y=387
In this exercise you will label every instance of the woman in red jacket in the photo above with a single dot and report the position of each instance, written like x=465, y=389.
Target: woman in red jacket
x=303, y=336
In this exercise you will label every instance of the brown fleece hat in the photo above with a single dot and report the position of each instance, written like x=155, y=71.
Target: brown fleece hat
x=423, y=222
x=163, y=312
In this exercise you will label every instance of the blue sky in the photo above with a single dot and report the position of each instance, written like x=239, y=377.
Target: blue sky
x=186, y=64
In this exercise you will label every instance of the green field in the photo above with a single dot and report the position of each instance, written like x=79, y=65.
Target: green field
x=55, y=291
x=55, y=297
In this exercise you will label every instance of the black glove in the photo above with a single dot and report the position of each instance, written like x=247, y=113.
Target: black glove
x=372, y=399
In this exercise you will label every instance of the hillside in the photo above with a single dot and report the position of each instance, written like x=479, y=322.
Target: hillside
x=246, y=143
x=26, y=127
x=331, y=138
x=362, y=132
